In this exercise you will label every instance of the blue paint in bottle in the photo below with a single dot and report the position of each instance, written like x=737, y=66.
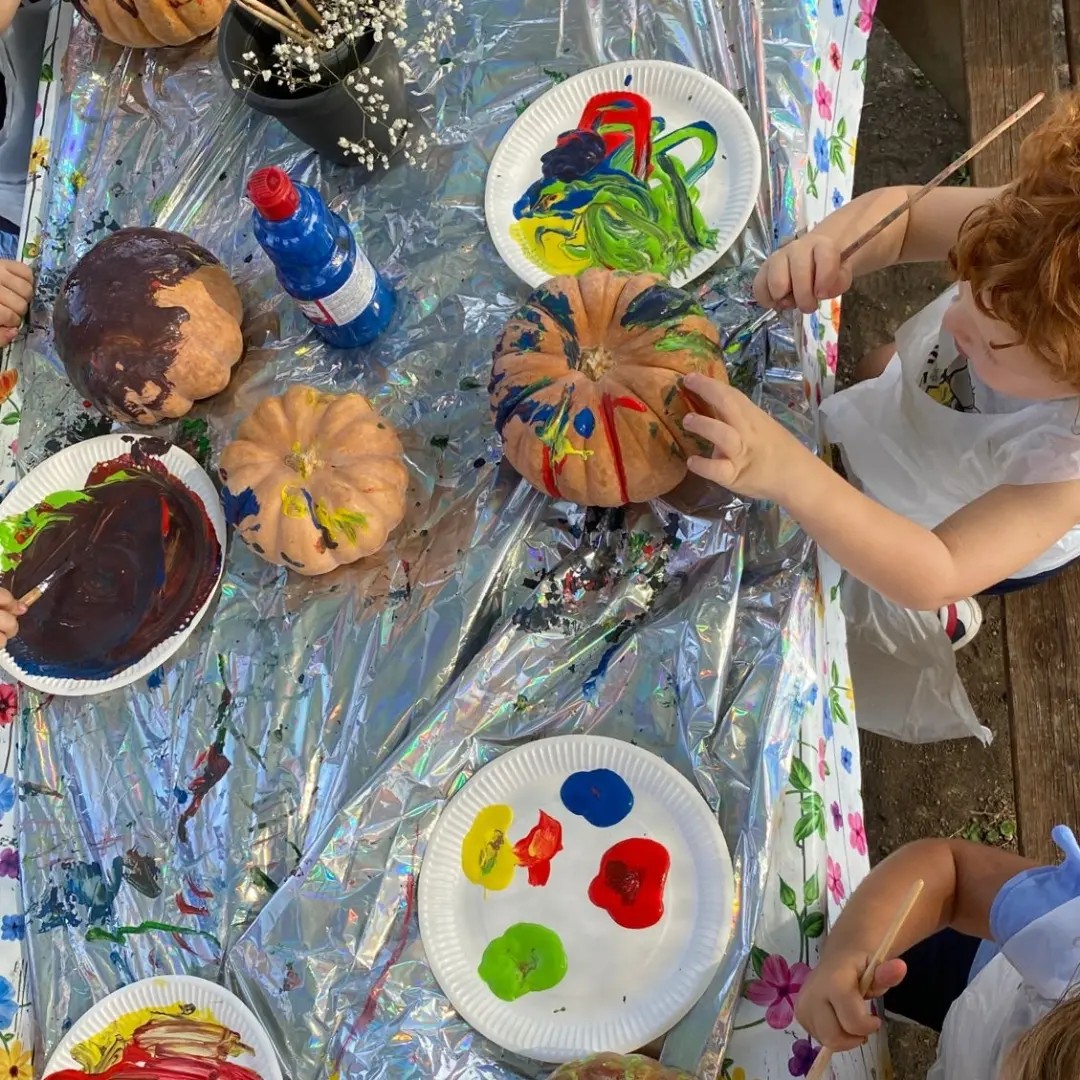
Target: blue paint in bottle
x=318, y=261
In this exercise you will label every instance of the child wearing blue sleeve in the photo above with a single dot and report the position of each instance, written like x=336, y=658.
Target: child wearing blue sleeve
x=990, y=956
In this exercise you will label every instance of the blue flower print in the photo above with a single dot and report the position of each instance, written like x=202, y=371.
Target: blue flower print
x=821, y=151
x=7, y=793
x=8, y=1005
x=827, y=720
x=837, y=199
x=838, y=7
x=814, y=324
x=12, y=928
x=845, y=758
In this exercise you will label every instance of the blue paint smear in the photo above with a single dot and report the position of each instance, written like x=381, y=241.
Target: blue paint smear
x=588, y=688
x=154, y=679
x=628, y=80
x=181, y=795
x=516, y=398
x=585, y=423
x=601, y=797
x=240, y=505
x=557, y=305
x=659, y=304
x=527, y=341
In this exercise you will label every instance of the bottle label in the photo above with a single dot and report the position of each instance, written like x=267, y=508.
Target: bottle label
x=349, y=301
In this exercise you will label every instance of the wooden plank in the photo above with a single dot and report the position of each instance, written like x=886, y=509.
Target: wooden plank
x=1072, y=38
x=1008, y=55
x=929, y=32
x=1042, y=654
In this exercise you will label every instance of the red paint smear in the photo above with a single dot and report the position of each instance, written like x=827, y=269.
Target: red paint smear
x=136, y=1064
x=607, y=414
x=548, y=473
x=214, y=765
x=164, y=519
x=536, y=850
x=183, y=945
x=630, y=884
x=190, y=909
x=372, y=1001
x=202, y=894
x=621, y=108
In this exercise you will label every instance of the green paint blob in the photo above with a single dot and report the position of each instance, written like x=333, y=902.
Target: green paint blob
x=18, y=532
x=526, y=959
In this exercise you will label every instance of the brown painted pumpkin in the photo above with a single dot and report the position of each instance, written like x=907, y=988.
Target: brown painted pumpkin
x=586, y=386
x=147, y=24
x=314, y=480
x=146, y=324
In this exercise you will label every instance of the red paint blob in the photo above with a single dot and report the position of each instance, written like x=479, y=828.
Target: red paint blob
x=630, y=884
x=536, y=850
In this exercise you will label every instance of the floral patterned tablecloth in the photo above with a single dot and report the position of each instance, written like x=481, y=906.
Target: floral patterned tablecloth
x=820, y=851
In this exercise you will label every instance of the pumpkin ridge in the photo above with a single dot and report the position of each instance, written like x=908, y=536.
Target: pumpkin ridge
x=662, y=418
x=556, y=443
x=515, y=397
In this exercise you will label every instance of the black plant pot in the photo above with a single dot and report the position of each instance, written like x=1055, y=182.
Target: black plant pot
x=318, y=116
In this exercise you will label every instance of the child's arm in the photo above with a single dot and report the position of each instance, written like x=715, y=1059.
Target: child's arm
x=960, y=882
x=809, y=269
x=7, y=13
x=984, y=543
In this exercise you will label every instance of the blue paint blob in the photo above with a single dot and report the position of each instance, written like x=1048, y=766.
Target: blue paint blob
x=240, y=505
x=585, y=423
x=153, y=680
x=601, y=797
x=527, y=341
x=628, y=80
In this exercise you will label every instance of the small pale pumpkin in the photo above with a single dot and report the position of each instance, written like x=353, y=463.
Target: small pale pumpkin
x=587, y=386
x=147, y=323
x=147, y=24
x=314, y=480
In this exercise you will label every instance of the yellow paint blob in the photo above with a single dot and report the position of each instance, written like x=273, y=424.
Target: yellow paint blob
x=487, y=855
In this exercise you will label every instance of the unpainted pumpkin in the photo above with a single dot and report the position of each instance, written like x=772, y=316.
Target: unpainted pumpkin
x=148, y=24
x=587, y=386
x=148, y=323
x=313, y=480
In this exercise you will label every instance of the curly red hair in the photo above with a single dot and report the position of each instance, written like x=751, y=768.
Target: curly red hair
x=1020, y=252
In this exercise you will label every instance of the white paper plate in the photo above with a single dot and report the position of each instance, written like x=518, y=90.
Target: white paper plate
x=623, y=988
x=681, y=96
x=68, y=470
x=162, y=992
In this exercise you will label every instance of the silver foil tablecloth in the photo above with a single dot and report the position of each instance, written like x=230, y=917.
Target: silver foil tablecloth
x=350, y=707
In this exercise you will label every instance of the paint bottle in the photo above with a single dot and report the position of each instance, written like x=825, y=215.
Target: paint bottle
x=318, y=261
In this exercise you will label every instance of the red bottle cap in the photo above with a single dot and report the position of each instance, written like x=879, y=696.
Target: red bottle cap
x=273, y=193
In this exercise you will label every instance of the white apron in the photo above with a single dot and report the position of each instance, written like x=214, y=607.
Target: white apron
x=912, y=452
x=1033, y=971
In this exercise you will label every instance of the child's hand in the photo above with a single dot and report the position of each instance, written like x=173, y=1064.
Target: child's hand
x=830, y=1006
x=802, y=274
x=16, y=292
x=9, y=609
x=753, y=455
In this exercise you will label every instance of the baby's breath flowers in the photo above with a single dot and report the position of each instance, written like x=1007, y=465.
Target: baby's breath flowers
x=303, y=59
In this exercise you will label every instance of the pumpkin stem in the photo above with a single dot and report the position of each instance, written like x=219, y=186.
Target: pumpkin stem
x=596, y=362
x=303, y=462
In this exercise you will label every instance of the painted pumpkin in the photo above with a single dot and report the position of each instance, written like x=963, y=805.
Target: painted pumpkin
x=147, y=24
x=586, y=386
x=314, y=480
x=617, y=1067
x=148, y=323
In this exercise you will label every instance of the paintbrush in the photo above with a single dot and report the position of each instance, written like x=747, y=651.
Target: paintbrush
x=866, y=983
x=30, y=598
x=740, y=337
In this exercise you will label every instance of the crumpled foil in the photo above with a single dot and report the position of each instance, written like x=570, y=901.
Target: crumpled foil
x=257, y=811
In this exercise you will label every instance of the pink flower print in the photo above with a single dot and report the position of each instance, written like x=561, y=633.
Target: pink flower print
x=9, y=704
x=823, y=98
x=834, y=56
x=858, y=833
x=822, y=768
x=834, y=880
x=832, y=356
x=9, y=863
x=866, y=14
x=777, y=990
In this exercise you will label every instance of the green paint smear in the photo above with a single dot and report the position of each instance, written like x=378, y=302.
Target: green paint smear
x=122, y=933
x=692, y=341
x=18, y=532
x=625, y=223
x=528, y=958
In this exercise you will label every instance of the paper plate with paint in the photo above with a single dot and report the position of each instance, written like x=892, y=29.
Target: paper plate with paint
x=577, y=896
x=186, y=1027
x=638, y=165
x=128, y=532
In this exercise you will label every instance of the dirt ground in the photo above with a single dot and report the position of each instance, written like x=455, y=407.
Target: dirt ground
x=908, y=134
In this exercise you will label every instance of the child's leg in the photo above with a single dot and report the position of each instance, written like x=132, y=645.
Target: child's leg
x=874, y=362
x=938, y=970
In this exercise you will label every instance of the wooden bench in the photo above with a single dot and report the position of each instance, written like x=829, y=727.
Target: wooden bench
x=987, y=57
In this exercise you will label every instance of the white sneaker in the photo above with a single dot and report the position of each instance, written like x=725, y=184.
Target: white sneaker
x=961, y=621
